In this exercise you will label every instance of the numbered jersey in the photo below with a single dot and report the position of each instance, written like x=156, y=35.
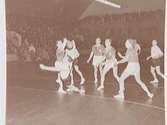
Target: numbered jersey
x=110, y=53
x=98, y=50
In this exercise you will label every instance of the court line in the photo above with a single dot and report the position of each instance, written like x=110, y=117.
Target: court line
x=97, y=97
x=148, y=85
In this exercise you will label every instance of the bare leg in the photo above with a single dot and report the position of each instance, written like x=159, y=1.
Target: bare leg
x=115, y=72
x=60, y=89
x=158, y=69
x=103, y=74
x=123, y=77
x=72, y=77
x=76, y=67
x=143, y=86
x=101, y=69
x=95, y=74
x=154, y=75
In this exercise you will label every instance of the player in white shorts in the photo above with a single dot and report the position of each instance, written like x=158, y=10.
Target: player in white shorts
x=155, y=57
x=73, y=56
x=132, y=69
x=62, y=66
x=98, y=57
x=110, y=62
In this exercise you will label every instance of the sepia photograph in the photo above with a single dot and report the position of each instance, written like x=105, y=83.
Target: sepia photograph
x=85, y=62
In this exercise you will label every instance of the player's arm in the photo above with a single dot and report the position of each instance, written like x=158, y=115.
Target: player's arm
x=74, y=45
x=149, y=57
x=138, y=48
x=64, y=42
x=123, y=60
x=160, y=53
x=48, y=68
x=90, y=57
x=120, y=55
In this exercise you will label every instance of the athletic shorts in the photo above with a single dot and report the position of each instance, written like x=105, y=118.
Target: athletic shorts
x=63, y=69
x=133, y=68
x=75, y=62
x=110, y=63
x=97, y=60
x=156, y=62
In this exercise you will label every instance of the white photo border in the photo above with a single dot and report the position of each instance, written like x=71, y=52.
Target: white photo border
x=3, y=63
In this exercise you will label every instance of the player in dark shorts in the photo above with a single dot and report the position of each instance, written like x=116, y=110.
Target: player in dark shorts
x=156, y=55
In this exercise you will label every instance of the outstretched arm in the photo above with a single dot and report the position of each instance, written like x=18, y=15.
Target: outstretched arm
x=125, y=59
x=120, y=55
x=48, y=68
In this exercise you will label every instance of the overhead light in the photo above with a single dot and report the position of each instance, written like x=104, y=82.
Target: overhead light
x=109, y=3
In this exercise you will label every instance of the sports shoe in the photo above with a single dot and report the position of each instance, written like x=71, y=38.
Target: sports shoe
x=154, y=81
x=100, y=88
x=82, y=81
x=151, y=95
x=62, y=91
x=119, y=97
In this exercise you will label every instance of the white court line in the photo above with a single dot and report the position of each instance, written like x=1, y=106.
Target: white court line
x=97, y=97
x=109, y=83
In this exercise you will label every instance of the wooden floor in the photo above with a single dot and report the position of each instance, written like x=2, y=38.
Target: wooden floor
x=32, y=100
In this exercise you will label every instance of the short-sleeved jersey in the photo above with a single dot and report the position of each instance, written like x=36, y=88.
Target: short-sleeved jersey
x=132, y=55
x=110, y=53
x=98, y=50
x=60, y=54
x=72, y=53
x=156, y=52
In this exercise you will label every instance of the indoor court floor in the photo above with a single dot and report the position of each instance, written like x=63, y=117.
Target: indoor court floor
x=32, y=99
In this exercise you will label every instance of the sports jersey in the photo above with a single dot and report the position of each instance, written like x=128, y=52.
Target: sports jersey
x=110, y=53
x=98, y=50
x=60, y=54
x=156, y=52
x=72, y=53
x=132, y=55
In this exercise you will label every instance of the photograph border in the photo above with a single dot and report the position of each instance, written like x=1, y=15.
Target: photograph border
x=3, y=62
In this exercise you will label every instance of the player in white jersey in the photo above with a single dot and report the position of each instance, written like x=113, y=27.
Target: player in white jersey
x=62, y=65
x=73, y=56
x=98, y=57
x=132, y=69
x=110, y=62
x=155, y=57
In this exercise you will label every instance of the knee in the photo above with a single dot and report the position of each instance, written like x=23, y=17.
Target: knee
x=95, y=68
x=158, y=70
x=152, y=70
x=76, y=66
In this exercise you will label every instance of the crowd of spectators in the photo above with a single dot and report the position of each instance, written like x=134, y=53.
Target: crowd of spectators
x=39, y=35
